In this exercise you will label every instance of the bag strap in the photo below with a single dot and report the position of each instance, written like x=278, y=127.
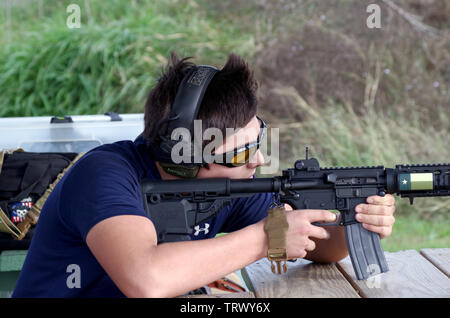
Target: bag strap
x=33, y=214
x=7, y=226
x=33, y=173
x=9, y=152
x=5, y=223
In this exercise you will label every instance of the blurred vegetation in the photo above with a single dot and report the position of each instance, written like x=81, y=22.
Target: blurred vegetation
x=110, y=63
x=356, y=96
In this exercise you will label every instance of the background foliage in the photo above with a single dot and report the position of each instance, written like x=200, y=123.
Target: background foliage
x=356, y=96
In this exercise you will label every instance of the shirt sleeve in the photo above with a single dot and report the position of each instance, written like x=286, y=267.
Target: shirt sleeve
x=100, y=186
x=247, y=211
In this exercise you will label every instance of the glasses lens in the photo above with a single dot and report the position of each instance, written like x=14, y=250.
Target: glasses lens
x=244, y=157
x=240, y=158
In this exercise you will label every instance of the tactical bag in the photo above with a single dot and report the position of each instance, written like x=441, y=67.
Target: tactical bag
x=26, y=180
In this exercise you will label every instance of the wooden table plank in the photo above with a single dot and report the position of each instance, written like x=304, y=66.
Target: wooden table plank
x=439, y=257
x=303, y=279
x=409, y=275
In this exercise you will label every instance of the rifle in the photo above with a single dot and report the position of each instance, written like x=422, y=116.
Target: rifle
x=176, y=206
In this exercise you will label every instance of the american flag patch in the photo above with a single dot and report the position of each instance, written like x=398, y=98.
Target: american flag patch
x=19, y=210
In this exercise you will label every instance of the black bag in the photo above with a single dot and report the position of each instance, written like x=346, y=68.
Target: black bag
x=25, y=175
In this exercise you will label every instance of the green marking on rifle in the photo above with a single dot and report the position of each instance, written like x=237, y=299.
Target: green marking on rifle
x=415, y=181
x=421, y=181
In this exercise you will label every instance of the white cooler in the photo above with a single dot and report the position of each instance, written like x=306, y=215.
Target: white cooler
x=69, y=133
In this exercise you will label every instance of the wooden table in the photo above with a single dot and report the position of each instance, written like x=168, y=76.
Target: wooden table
x=411, y=274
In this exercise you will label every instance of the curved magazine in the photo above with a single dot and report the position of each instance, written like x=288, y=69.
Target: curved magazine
x=365, y=251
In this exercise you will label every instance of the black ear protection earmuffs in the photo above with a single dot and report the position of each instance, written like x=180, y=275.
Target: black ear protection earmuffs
x=184, y=111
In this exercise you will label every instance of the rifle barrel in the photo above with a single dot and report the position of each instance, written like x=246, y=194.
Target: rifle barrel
x=271, y=185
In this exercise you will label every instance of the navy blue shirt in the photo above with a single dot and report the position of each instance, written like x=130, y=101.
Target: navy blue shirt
x=102, y=184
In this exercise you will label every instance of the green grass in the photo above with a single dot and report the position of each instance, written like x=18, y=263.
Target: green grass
x=110, y=63
x=413, y=232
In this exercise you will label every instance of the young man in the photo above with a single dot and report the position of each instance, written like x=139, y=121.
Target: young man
x=93, y=237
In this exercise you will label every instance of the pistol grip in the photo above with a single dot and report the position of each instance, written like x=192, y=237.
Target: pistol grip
x=364, y=246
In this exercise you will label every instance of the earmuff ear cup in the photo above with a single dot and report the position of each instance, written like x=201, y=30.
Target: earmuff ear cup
x=184, y=111
x=182, y=171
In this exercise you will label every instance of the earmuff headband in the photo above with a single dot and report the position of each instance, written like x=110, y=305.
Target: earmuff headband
x=189, y=98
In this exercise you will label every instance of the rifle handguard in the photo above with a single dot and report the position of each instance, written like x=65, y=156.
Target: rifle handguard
x=276, y=228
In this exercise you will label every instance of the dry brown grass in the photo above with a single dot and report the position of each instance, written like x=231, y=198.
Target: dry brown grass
x=325, y=51
x=327, y=60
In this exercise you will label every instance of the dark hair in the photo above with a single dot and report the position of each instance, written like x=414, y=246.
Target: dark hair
x=229, y=101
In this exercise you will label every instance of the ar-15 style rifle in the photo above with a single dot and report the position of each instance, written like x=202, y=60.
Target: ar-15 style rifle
x=176, y=206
